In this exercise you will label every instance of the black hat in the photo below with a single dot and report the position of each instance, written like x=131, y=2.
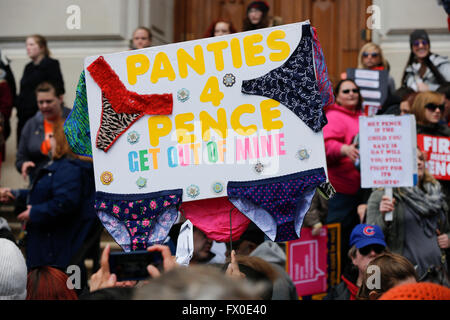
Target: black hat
x=260, y=5
x=418, y=34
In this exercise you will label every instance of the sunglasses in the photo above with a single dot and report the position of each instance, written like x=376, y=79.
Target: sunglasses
x=418, y=42
x=346, y=91
x=373, y=55
x=433, y=106
x=377, y=248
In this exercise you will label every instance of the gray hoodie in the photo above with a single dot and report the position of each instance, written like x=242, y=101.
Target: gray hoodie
x=283, y=288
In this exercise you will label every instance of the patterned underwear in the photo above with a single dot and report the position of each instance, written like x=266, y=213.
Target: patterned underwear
x=137, y=221
x=294, y=84
x=323, y=81
x=277, y=205
x=121, y=107
x=123, y=100
x=76, y=126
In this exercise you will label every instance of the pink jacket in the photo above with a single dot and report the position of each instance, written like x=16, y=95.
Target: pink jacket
x=342, y=127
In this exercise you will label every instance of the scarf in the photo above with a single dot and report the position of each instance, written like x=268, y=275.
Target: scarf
x=427, y=205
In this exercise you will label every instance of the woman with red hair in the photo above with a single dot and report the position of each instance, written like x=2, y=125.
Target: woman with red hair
x=47, y=283
x=219, y=27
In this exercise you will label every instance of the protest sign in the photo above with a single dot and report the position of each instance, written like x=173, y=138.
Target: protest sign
x=214, y=132
x=388, y=151
x=373, y=85
x=438, y=155
x=307, y=262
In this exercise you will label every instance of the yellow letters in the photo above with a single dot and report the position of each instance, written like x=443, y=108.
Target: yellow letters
x=182, y=128
x=208, y=122
x=211, y=92
x=132, y=70
x=184, y=59
x=162, y=68
x=268, y=115
x=278, y=45
x=156, y=132
x=217, y=48
x=236, y=117
x=251, y=50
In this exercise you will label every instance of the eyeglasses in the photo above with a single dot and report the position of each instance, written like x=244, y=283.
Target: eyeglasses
x=377, y=248
x=346, y=91
x=419, y=42
x=373, y=54
x=433, y=106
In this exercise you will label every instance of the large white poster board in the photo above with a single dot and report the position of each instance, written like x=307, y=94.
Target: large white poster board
x=216, y=133
x=388, y=151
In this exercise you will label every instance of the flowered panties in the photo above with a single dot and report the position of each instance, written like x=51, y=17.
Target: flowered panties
x=137, y=221
x=277, y=205
x=294, y=84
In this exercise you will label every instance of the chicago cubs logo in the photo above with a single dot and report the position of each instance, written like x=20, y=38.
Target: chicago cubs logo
x=369, y=231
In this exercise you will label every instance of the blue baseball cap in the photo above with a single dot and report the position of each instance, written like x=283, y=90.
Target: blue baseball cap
x=366, y=234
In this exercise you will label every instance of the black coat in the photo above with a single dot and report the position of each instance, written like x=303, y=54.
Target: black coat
x=62, y=213
x=47, y=70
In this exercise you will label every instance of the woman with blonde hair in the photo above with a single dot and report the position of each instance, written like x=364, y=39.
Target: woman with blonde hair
x=428, y=108
x=371, y=57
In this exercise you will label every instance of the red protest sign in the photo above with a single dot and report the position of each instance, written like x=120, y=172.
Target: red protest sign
x=438, y=155
x=307, y=262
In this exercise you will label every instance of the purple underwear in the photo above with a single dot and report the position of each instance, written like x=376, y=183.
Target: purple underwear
x=277, y=205
x=137, y=221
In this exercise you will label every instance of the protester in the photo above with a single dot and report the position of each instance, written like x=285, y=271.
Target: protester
x=6, y=105
x=59, y=213
x=428, y=108
x=383, y=273
x=252, y=243
x=202, y=247
x=342, y=155
x=419, y=229
x=417, y=291
x=253, y=269
x=47, y=283
x=41, y=68
x=371, y=57
x=400, y=102
x=366, y=242
x=445, y=90
x=219, y=27
x=142, y=38
x=424, y=71
x=34, y=145
x=257, y=16
x=199, y=282
x=13, y=272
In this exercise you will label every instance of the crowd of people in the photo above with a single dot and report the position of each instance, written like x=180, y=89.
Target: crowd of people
x=62, y=229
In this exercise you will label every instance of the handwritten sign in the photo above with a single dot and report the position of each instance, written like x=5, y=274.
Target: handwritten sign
x=307, y=262
x=388, y=151
x=215, y=133
x=438, y=155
